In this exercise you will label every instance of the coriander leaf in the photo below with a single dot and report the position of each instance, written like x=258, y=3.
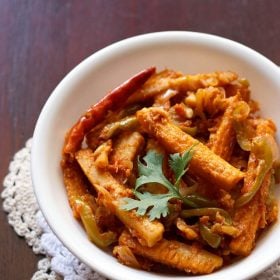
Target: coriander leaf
x=179, y=164
x=154, y=205
x=152, y=172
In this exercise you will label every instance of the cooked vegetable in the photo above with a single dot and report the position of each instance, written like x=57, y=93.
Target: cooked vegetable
x=207, y=212
x=204, y=162
x=100, y=239
x=262, y=150
x=75, y=184
x=124, y=254
x=277, y=172
x=127, y=146
x=97, y=112
x=212, y=239
x=244, y=131
x=200, y=201
x=175, y=254
x=110, y=190
x=223, y=140
x=195, y=82
x=208, y=101
x=186, y=230
x=156, y=205
x=171, y=157
x=247, y=219
x=112, y=129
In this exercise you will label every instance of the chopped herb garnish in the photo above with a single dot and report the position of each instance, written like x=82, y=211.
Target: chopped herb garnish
x=156, y=205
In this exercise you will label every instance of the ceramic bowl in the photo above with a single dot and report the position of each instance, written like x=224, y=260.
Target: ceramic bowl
x=88, y=82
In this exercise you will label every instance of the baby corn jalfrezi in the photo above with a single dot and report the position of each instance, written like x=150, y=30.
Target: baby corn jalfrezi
x=177, y=170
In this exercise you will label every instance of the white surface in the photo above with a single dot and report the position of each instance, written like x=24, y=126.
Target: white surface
x=88, y=82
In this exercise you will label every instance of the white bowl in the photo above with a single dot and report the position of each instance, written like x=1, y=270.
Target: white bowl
x=184, y=51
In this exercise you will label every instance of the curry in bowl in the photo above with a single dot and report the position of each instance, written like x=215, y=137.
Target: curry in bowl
x=174, y=169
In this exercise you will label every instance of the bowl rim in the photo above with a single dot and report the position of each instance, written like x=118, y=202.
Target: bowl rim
x=102, y=55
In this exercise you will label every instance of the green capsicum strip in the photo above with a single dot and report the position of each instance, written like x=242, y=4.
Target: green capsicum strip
x=192, y=130
x=206, y=212
x=102, y=240
x=212, y=239
x=198, y=201
x=263, y=152
x=124, y=124
x=242, y=136
x=243, y=133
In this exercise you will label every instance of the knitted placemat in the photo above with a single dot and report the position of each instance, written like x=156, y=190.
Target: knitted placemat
x=27, y=220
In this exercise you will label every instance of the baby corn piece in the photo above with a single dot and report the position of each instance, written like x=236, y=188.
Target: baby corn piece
x=148, y=232
x=175, y=254
x=125, y=150
x=204, y=163
x=253, y=215
x=247, y=219
x=223, y=140
x=74, y=183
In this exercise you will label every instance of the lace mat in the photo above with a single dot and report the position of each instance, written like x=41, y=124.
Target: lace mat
x=27, y=220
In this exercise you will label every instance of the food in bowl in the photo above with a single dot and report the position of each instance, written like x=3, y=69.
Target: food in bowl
x=174, y=169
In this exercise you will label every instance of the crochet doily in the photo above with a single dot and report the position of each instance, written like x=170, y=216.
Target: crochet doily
x=25, y=217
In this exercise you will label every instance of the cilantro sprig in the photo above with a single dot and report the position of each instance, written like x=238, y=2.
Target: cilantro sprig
x=156, y=205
